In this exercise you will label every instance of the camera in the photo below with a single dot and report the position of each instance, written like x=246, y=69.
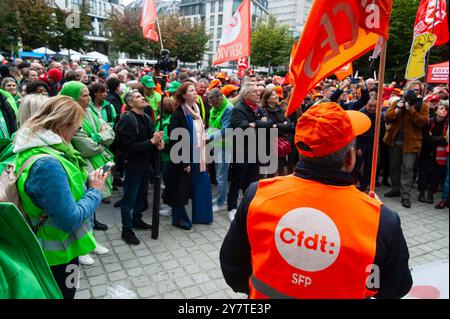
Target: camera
x=165, y=63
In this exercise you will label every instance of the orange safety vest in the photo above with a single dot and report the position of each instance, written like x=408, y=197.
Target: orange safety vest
x=312, y=241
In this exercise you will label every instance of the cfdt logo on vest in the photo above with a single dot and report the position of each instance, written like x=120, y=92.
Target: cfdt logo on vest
x=307, y=239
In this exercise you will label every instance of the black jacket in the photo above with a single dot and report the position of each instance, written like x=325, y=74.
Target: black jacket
x=8, y=115
x=177, y=190
x=116, y=101
x=391, y=250
x=241, y=117
x=134, y=133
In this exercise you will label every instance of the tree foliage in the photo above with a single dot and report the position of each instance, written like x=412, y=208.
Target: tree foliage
x=271, y=43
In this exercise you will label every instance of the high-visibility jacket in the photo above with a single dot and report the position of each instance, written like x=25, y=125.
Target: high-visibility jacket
x=59, y=247
x=312, y=241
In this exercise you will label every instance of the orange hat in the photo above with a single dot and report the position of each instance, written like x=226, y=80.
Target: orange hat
x=221, y=75
x=386, y=103
x=279, y=91
x=228, y=89
x=326, y=128
x=214, y=83
x=317, y=95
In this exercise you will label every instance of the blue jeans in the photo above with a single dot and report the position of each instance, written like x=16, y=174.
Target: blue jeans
x=445, y=192
x=135, y=190
x=222, y=182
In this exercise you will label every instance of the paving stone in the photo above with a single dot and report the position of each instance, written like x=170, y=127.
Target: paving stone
x=173, y=295
x=135, y=272
x=94, y=271
x=141, y=281
x=117, y=275
x=192, y=292
x=146, y=292
x=113, y=267
x=184, y=282
x=166, y=287
x=109, y=259
x=163, y=256
x=97, y=280
x=83, y=294
x=200, y=278
x=126, y=256
x=170, y=264
x=99, y=291
x=147, y=260
x=131, y=263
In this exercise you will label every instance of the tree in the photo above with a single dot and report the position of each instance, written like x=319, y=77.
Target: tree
x=127, y=35
x=71, y=36
x=271, y=44
x=185, y=39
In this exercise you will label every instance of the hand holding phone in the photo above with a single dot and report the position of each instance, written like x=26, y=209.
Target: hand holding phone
x=107, y=167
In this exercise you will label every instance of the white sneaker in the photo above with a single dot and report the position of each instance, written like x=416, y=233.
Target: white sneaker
x=231, y=214
x=100, y=250
x=216, y=208
x=165, y=210
x=86, y=260
x=214, y=201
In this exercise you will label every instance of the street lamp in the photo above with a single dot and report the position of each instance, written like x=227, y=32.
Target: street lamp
x=11, y=40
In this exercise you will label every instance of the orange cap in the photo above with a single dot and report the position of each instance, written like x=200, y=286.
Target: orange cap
x=214, y=83
x=279, y=91
x=221, y=75
x=326, y=128
x=228, y=89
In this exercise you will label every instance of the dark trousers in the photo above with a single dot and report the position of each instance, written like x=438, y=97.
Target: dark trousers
x=135, y=190
x=61, y=274
x=242, y=175
x=384, y=162
x=366, y=160
x=431, y=174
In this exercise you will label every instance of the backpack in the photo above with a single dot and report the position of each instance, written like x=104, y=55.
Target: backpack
x=135, y=123
x=9, y=192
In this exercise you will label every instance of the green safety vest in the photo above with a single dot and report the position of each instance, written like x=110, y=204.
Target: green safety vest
x=10, y=100
x=202, y=105
x=59, y=247
x=165, y=153
x=153, y=101
x=105, y=106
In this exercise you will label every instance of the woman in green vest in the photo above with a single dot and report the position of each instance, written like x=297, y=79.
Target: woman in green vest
x=52, y=188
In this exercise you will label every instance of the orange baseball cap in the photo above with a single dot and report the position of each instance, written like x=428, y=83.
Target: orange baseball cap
x=214, y=83
x=326, y=128
x=228, y=89
x=279, y=91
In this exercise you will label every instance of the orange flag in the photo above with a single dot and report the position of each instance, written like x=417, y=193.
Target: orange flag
x=235, y=41
x=432, y=17
x=346, y=70
x=291, y=75
x=148, y=20
x=336, y=33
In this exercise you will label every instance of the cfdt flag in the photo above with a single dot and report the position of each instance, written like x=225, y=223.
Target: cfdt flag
x=291, y=75
x=148, y=20
x=235, y=41
x=430, y=28
x=336, y=33
x=242, y=66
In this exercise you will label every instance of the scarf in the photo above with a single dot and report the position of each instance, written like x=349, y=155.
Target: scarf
x=254, y=107
x=198, y=132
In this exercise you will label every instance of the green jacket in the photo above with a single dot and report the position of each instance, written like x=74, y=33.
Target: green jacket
x=24, y=272
x=108, y=112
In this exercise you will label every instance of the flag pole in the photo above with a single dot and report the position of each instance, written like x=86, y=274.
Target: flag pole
x=376, y=142
x=159, y=30
x=427, y=60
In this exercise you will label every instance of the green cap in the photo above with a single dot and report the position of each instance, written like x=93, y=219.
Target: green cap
x=148, y=82
x=173, y=86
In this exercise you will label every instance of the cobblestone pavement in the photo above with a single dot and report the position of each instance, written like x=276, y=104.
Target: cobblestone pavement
x=185, y=264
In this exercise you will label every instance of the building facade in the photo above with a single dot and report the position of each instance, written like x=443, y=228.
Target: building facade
x=168, y=7
x=99, y=11
x=292, y=13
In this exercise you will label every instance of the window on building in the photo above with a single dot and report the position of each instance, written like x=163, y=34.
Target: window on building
x=219, y=33
x=220, y=5
x=213, y=7
x=220, y=21
x=76, y=2
x=212, y=19
x=211, y=45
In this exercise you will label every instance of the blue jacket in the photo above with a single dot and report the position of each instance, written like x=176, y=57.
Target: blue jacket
x=48, y=187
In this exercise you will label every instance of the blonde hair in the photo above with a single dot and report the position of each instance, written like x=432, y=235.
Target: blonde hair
x=58, y=112
x=30, y=105
x=413, y=83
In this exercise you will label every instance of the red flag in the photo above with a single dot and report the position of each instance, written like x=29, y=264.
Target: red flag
x=336, y=33
x=291, y=75
x=235, y=42
x=148, y=20
x=432, y=12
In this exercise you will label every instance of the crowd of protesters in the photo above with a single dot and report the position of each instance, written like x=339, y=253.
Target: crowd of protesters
x=124, y=123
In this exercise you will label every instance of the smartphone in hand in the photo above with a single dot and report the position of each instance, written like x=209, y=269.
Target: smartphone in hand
x=107, y=167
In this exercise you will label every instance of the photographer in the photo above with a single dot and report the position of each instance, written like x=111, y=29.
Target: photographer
x=406, y=118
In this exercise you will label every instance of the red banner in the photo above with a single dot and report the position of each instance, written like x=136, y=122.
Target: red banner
x=438, y=73
x=235, y=42
x=148, y=20
x=432, y=18
x=336, y=33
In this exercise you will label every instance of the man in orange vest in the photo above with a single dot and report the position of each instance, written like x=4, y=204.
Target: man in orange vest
x=313, y=234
